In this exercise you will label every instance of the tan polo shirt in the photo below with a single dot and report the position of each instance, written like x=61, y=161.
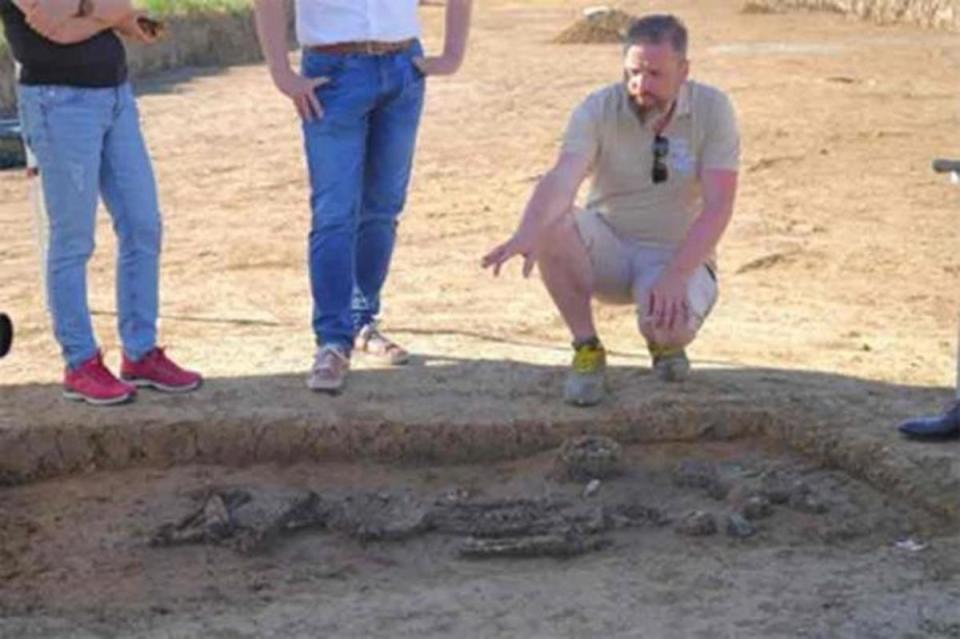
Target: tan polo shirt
x=703, y=135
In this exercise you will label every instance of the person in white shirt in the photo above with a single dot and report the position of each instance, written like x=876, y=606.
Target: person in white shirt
x=359, y=95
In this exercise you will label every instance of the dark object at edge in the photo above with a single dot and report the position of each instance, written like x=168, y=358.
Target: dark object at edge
x=6, y=334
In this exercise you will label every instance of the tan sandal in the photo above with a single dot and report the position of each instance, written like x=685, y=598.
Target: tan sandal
x=372, y=342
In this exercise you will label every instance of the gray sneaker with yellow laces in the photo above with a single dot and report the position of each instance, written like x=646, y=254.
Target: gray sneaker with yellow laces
x=586, y=382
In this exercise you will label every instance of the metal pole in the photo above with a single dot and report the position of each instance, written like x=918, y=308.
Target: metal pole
x=953, y=168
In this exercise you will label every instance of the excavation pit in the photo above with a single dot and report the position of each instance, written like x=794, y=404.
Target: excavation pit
x=100, y=553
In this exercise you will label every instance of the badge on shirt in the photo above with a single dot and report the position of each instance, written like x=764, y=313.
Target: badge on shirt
x=681, y=157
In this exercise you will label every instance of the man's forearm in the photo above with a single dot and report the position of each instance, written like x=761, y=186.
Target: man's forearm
x=700, y=242
x=58, y=20
x=108, y=11
x=547, y=204
x=719, y=188
x=75, y=30
x=456, y=29
x=59, y=11
x=271, y=19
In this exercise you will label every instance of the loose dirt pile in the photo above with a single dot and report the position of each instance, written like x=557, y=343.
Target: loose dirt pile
x=928, y=13
x=760, y=7
x=609, y=25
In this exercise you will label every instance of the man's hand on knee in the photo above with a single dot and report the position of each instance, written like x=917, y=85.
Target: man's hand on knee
x=667, y=320
x=667, y=306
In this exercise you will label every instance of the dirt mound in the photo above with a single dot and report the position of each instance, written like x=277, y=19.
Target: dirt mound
x=759, y=7
x=929, y=13
x=608, y=25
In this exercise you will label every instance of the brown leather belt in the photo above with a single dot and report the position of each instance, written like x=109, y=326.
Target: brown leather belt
x=365, y=47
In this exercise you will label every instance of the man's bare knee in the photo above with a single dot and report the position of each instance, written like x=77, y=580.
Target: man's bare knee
x=677, y=337
x=560, y=238
x=563, y=258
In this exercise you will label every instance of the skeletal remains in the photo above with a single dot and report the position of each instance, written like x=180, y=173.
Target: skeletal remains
x=249, y=520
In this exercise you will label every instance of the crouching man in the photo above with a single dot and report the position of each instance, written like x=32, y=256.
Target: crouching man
x=663, y=152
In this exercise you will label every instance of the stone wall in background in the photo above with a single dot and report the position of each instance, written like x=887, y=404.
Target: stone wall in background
x=203, y=40
x=944, y=14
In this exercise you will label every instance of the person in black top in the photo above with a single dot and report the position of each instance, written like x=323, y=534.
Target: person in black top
x=6, y=334
x=79, y=118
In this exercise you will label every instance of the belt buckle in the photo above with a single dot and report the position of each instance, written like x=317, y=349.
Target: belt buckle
x=370, y=48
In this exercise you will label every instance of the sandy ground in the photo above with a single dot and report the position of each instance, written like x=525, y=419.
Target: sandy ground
x=841, y=257
x=840, y=272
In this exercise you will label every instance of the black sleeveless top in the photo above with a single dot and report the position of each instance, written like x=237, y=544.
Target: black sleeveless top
x=100, y=61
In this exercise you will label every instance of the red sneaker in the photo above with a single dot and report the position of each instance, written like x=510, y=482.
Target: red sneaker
x=158, y=371
x=92, y=382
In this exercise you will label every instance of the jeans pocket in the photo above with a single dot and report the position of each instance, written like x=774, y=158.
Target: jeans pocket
x=32, y=116
x=415, y=52
x=321, y=65
x=54, y=95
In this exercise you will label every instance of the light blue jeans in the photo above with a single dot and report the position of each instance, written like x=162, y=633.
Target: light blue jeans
x=88, y=144
x=359, y=156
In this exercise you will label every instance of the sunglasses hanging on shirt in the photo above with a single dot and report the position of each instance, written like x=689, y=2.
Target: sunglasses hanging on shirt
x=661, y=148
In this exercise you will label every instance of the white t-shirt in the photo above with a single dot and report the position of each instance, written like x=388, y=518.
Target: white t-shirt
x=332, y=21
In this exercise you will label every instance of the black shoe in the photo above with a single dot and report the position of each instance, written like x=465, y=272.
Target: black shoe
x=6, y=334
x=945, y=426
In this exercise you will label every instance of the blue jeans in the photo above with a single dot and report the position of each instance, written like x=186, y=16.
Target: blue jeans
x=88, y=144
x=359, y=156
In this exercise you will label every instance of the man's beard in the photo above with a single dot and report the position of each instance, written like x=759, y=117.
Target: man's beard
x=647, y=109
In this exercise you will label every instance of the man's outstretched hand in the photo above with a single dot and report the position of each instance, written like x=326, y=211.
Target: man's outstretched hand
x=520, y=244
